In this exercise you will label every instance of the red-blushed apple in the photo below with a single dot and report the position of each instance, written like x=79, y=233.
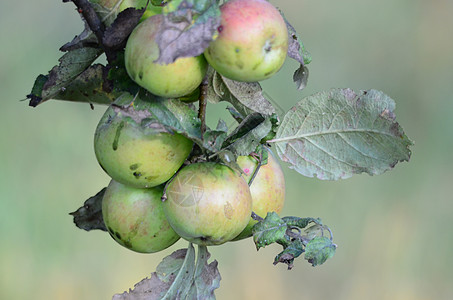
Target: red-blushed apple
x=267, y=189
x=252, y=41
x=134, y=156
x=134, y=218
x=173, y=80
x=208, y=203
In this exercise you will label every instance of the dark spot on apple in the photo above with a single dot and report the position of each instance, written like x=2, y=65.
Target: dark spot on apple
x=134, y=166
x=140, y=75
x=117, y=136
x=149, y=178
x=239, y=64
x=237, y=50
x=127, y=244
x=220, y=28
x=268, y=73
x=118, y=235
x=137, y=174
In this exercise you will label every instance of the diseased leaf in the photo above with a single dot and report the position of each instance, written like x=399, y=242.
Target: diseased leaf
x=85, y=39
x=175, y=270
x=300, y=77
x=115, y=36
x=160, y=114
x=246, y=97
x=108, y=12
x=287, y=256
x=213, y=139
x=178, y=277
x=319, y=250
x=270, y=230
x=206, y=278
x=89, y=216
x=72, y=64
x=91, y=86
x=335, y=134
x=296, y=49
x=187, y=31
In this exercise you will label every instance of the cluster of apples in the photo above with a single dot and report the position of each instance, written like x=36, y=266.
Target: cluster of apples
x=206, y=203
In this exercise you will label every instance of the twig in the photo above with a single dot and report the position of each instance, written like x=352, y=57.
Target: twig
x=89, y=14
x=202, y=106
x=256, y=217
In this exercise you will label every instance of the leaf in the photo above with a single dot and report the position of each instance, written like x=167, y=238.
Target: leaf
x=296, y=49
x=85, y=39
x=115, y=36
x=247, y=135
x=160, y=114
x=287, y=256
x=300, y=77
x=206, y=278
x=89, y=216
x=177, y=277
x=335, y=134
x=213, y=139
x=72, y=64
x=107, y=13
x=319, y=250
x=246, y=97
x=270, y=230
x=187, y=31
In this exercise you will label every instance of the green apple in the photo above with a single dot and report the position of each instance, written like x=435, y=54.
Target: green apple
x=134, y=156
x=174, y=80
x=134, y=218
x=208, y=203
x=267, y=189
x=252, y=41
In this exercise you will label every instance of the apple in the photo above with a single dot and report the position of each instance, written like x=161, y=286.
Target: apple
x=208, y=203
x=174, y=80
x=134, y=218
x=252, y=41
x=267, y=189
x=135, y=156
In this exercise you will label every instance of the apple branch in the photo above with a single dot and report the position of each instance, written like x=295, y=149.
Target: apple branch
x=89, y=14
x=202, y=105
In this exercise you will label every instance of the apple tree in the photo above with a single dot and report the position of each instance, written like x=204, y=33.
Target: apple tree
x=173, y=176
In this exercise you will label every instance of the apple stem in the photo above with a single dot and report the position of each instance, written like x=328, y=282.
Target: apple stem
x=258, y=166
x=256, y=217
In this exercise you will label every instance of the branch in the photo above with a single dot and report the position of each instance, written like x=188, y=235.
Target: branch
x=202, y=106
x=89, y=14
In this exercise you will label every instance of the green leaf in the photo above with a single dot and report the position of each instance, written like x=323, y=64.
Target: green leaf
x=187, y=30
x=248, y=135
x=335, y=134
x=270, y=230
x=89, y=216
x=319, y=250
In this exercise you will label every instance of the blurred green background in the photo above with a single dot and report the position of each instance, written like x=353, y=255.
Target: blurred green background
x=393, y=230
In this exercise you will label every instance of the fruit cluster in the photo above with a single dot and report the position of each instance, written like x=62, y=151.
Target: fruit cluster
x=204, y=202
